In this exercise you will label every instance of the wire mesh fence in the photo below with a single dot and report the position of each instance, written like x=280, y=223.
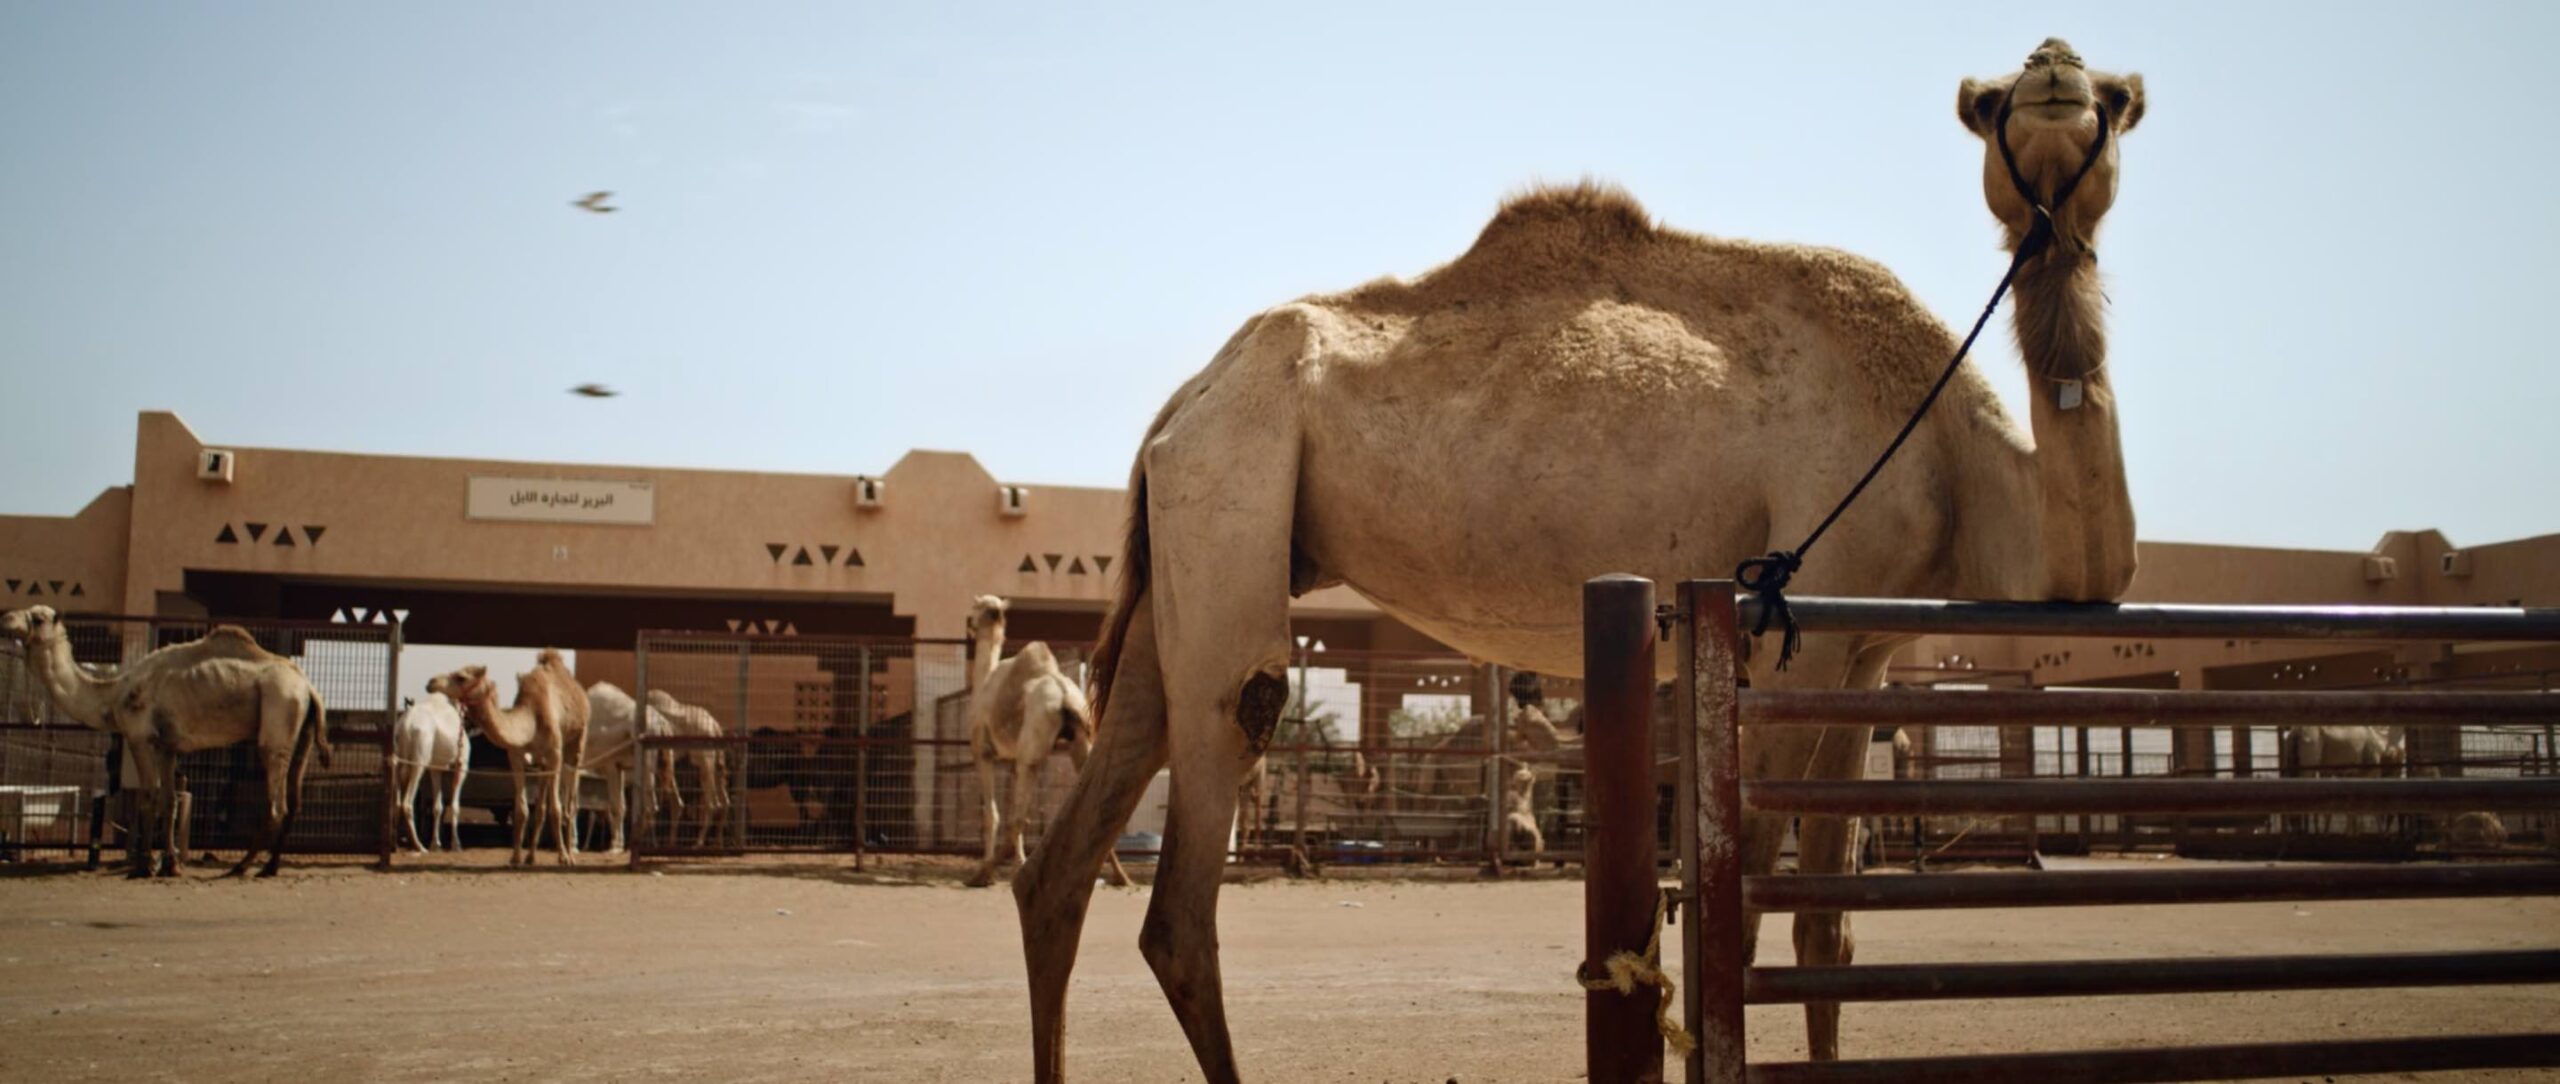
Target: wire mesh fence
x=68, y=791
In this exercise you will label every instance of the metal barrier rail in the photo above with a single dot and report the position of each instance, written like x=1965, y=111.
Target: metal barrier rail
x=1620, y=636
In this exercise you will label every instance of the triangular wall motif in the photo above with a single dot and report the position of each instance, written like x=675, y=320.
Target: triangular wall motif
x=13, y=586
x=852, y=557
x=801, y=558
x=1053, y=559
x=777, y=549
x=56, y=585
x=257, y=532
x=1075, y=567
x=311, y=534
x=34, y=588
x=733, y=624
x=789, y=629
x=227, y=537
x=1101, y=563
x=284, y=536
x=830, y=552
x=77, y=590
x=401, y=616
x=1027, y=566
x=358, y=613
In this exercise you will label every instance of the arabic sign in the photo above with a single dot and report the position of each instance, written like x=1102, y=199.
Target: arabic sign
x=562, y=500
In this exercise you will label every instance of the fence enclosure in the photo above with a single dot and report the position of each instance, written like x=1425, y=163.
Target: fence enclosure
x=58, y=797
x=1713, y=706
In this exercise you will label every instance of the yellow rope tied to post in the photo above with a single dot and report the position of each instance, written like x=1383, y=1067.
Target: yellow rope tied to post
x=1626, y=969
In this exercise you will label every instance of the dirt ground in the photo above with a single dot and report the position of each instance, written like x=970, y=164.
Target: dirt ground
x=799, y=971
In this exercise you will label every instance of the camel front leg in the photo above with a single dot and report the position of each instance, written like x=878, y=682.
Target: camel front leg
x=520, y=850
x=564, y=791
x=1080, y=752
x=988, y=830
x=277, y=766
x=713, y=804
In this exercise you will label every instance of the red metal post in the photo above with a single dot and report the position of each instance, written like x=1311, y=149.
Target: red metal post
x=1715, y=957
x=1619, y=889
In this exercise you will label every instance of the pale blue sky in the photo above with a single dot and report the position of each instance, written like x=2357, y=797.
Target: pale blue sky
x=852, y=230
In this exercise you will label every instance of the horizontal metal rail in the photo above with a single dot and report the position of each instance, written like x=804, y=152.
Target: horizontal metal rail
x=2243, y=1061
x=1978, y=797
x=2076, y=888
x=2162, y=620
x=2096, y=978
x=2114, y=708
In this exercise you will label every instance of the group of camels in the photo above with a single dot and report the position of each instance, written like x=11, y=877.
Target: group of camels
x=223, y=689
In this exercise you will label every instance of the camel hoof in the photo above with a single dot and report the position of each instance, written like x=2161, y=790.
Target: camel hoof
x=137, y=875
x=981, y=879
x=266, y=872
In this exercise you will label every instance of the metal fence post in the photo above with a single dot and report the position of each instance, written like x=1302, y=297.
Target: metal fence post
x=643, y=781
x=862, y=760
x=1619, y=887
x=391, y=808
x=736, y=830
x=1497, y=716
x=1713, y=958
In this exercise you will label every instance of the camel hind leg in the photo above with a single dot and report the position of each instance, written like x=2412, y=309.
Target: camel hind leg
x=1079, y=752
x=990, y=830
x=1055, y=885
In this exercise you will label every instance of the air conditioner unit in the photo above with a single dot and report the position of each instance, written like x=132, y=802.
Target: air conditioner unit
x=2457, y=562
x=2378, y=568
x=867, y=492
x=1013, y=500
x=215, y=464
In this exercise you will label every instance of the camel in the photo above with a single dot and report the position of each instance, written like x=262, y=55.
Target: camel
x=220, y=690
x=614, y=726
x=82, y=692
x=1520, y=811
x=428, y=738
x=691, y=721
x=1019, y=710
x=1696, y=401
x=545, y=729
x=2347, y=752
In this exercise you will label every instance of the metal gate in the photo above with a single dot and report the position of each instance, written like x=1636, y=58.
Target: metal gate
x=1623, y=897
x=64, y=786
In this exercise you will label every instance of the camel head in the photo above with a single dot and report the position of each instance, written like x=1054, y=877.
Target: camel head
x=2052, y=111
x=986, y=616
x=1527, y=689
x=31, y=626
x=467, y=687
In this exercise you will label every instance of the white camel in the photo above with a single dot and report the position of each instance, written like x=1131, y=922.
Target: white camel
x=1694, y=402
x=1019, y=710
x=711, y=780
x=429, y=739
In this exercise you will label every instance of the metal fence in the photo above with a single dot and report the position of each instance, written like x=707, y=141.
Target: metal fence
x=1624, y=898
x=65, y=787
x=860, y=746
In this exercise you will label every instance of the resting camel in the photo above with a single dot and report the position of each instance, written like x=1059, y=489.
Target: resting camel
x=1697, y=401
x=1020, y=709
x=545, y=729
x=84, y=693
x=219, y=691
x=429, y=739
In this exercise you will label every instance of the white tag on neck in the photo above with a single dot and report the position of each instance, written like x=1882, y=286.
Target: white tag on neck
x=2068, y=396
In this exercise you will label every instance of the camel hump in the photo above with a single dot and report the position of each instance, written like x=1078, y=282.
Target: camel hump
x=550, y=657
x=1590, y=211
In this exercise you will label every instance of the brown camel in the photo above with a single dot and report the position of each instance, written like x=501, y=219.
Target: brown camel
x=1698, y=401
x=545, y=729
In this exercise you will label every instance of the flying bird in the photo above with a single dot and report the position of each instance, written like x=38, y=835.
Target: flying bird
x=594, y=201
x=594, y=391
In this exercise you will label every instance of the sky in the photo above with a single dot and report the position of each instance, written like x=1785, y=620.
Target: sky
x=850, y=230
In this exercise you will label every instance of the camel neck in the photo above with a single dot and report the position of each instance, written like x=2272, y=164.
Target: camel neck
x=78, y=694
x=989, y=646
x=511, y=728
x=2086, y=509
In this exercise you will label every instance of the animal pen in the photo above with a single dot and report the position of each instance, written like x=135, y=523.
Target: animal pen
x=59, y=795
x=860, y=747
x=1714, y=709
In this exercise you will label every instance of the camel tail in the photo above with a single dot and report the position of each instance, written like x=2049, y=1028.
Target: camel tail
x=315, y=725
x=1134, y=569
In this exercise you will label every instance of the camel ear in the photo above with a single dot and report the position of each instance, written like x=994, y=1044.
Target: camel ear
x=2122, y=95
x=1978, y=105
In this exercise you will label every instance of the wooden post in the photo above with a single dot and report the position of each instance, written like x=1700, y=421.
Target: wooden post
x=1712, y=958
x=1619, y=887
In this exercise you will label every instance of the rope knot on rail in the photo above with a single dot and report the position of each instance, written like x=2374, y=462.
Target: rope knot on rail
x=1626, y=970
x=1767, y=577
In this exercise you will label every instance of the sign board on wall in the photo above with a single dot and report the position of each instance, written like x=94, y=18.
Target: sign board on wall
x=562, y=500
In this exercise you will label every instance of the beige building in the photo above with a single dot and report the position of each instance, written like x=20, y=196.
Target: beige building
x=488, y=552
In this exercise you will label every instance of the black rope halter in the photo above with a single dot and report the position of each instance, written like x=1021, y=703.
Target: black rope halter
x=1767, y=576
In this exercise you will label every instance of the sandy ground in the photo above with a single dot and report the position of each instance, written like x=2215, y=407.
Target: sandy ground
x=809, y=971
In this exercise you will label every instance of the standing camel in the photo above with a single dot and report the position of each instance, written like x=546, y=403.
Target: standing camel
x=86, y=694
x=428, y=739
x=614, y=726
x=219, y=691
x=546, y=729
x=1020, y=709
x=1697, y=401
x=710, y=778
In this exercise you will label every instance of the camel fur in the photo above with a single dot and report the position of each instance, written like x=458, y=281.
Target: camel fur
x=545, y=730
x=711, y=779
x=428, y=740
x=217, y=691
x=1694, y=400
x=1019, y=710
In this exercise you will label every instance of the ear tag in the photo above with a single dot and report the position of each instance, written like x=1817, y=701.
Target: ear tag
x=2068, y=396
